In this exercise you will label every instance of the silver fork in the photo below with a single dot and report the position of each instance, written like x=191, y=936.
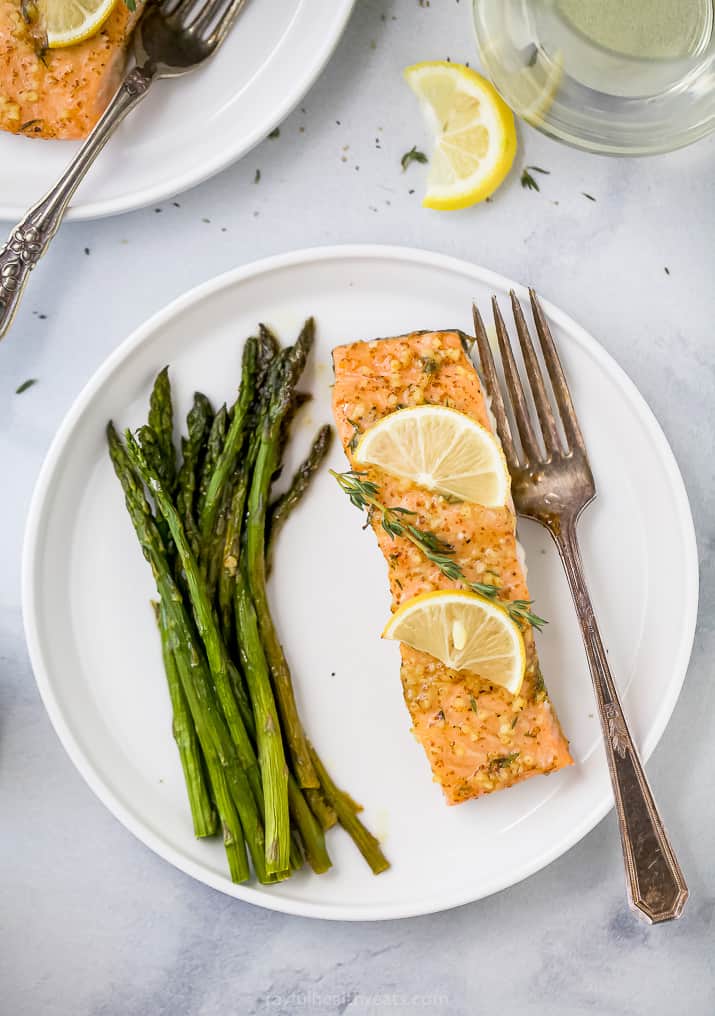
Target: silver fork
x=172, y=38
x=554, y=488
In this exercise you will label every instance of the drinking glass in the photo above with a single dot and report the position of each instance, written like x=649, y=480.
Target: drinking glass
x=621, y=77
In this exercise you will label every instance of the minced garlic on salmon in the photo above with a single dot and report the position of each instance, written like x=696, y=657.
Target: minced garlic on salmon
x=60, y=93
x=477, y=736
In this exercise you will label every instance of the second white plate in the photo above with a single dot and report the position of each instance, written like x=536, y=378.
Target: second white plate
x=189, y=128
x=95, y=650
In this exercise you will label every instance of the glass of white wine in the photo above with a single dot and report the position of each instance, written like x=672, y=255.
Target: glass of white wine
x=621, y=77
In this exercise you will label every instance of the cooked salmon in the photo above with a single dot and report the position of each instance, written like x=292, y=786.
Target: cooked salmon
x=477, y=736
x=60, y=93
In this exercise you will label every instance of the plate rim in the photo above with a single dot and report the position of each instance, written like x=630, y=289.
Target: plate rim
x=41, y=498
x=102, y=209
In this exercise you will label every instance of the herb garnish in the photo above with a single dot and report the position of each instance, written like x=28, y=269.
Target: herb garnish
x=275, y=133
x=353, y=442
x=589, y=196
x=25, y=385
x=414, y=155
x=257, y=177
x=501, y=761
x=429, y=365
x=527, y=179
x=364, y=494
x=472, y=703
x=130, y=5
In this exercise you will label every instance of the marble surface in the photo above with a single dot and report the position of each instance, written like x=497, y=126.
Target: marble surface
x=91, y=922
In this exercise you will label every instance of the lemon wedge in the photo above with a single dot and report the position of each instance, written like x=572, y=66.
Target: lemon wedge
x=465, y=632
x=441, y=449
x=474, y=130
x=68, y=22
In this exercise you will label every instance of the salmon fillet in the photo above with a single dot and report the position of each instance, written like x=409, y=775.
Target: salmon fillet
x=477, y=736
x=62, y=93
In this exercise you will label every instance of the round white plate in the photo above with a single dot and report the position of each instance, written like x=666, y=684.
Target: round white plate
x=96, y=654
x=189, y=128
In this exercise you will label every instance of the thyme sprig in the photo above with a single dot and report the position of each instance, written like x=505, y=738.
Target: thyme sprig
x=365, y=495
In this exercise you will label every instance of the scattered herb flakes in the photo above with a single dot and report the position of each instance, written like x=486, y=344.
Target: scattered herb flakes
x=157, y=211
x=440, y=715
x=353, y=442
x=666, y=270
x=429, y=365
x=539, y=685
x=514, y=721
x=528, y=181
x=275, y=134
x=87, y=251
x=27, y=124
x=472, y=703
x=589, y=196
x=206, y=221
x=502, y=761
x=25, y=385
x=414, y=155
x=131, y=5
x=257, y=177
x=176, y=204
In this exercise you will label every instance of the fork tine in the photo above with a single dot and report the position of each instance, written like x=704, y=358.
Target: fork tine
x=225, y=22
x=562, y=394
x=515, y=389
x=493, y=391
x=536, y=380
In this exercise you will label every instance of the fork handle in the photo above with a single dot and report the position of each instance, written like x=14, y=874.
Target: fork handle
x=32, y=235
x=656, y=887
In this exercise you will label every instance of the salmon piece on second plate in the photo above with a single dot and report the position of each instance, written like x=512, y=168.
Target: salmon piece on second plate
x=60, y=93
x=477, y=736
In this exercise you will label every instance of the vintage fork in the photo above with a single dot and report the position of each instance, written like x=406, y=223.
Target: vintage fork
x=554, y=488
x=172, y=38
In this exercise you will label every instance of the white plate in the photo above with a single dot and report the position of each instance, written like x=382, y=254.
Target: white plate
x=96, y=654
x=189, y=128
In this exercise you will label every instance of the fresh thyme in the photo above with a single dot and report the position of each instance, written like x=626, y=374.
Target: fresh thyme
x=528, y=181
x=414, y=155
x=25, y=385
x=365, y=495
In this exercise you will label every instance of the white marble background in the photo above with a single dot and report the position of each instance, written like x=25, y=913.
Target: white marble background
x=91, y=922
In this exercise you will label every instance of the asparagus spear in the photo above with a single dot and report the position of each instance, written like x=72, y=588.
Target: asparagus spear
x=198, y=424
x=214, y=444
x=268, y=733
x=231, y=553
x=202, y=810
x=223, y=672
x=318, y=804
x=283, y=378
x=223, y=762
x=281, y=508
x=225, y=461
x=310, y=830
x=366, y=843
x=161, y=421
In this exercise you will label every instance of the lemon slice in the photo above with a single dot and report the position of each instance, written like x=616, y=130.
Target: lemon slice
x=474, y=130
x=68, y=22
x=441, y=449
x=465, y=632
